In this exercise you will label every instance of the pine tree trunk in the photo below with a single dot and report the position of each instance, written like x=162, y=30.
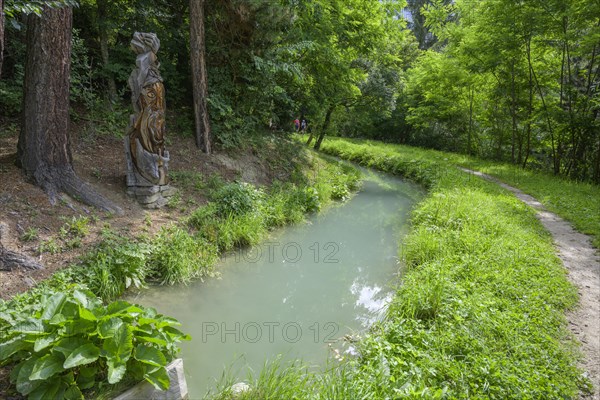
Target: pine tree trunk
x=199, y=76
x=44, y=150
x=1, y=34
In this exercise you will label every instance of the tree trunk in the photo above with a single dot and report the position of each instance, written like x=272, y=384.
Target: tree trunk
x=471, y=98
x=1, y=34
x=325, y=127
x=44, y=150
x=513, y=114
x=103, y=38
x=199, y=76
x=530, y=105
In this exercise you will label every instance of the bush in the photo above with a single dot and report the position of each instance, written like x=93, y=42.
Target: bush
x=64, y=343
x=114, y=266
x=179, y=257
x=237, y=198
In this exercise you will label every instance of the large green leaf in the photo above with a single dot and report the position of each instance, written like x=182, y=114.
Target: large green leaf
x=108, y=328
x=51, y=389
x=123, y=307
x=78, y=327
x=54, y=305
x=175, y=334
x=11, y=346
x=159, y=379
x=58, y=319
x=87, y=377
x=68, y=345
x=87, y=299
x=7, y=317
x=30, y=325
x=86, y=314
x=47, y=366
x=73, y=393
x=116, y=371
x=150, y=355
x=151, y=339
x=86, y=354
x=43, y=342
x=118, y=348
x=24, y=384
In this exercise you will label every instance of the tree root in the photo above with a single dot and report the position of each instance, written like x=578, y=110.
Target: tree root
x=10, y=260
x=65, y=180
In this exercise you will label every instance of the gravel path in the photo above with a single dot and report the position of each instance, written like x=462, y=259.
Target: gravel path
x=583, y=264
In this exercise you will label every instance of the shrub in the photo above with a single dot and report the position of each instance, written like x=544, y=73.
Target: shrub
x=237, y=198
x=63, y=343
x=114, y=266
x=179, y=257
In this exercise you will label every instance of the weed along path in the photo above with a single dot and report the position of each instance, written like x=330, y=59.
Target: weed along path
x=583, y=264
x=300, y=295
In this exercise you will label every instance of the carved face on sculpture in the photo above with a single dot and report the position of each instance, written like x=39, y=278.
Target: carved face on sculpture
x=144, y=43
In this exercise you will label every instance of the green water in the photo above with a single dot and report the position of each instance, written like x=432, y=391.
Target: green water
x=298, y=293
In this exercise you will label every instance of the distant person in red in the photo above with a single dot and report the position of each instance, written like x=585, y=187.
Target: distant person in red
x=297, y=124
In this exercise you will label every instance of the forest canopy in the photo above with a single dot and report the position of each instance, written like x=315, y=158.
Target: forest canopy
x=510, y=81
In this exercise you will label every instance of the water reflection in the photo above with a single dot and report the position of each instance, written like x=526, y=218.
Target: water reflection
x=370, y=303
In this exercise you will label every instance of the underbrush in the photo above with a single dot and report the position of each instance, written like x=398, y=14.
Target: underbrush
x=480, y=309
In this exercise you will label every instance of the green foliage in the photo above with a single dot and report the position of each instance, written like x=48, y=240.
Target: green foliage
x=241, y=214
x=49, y=246
x=77, y=227
x=30, y=235
x=81, y=89
x=115, y=265
x=63, y=343
x=510, y=81
x=179, y=257
x=237, y=198
x=11, y=97
x=14, y=7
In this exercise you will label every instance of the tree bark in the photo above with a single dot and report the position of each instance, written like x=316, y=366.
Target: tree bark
x=44, y=151
x=325, y=127
x=1, y=35
x=199, y=76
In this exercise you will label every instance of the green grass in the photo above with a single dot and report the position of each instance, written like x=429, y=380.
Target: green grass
x=576, y=202
x=240, y=214
x=480, y=311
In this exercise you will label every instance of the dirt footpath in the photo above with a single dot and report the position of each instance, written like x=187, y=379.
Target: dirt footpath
x=583, y=264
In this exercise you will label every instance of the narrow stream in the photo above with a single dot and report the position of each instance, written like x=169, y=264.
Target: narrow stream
x=296, y=294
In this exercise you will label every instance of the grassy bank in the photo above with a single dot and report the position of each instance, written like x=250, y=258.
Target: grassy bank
x=480, y=309
x=118, y=342
x=576, y=202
